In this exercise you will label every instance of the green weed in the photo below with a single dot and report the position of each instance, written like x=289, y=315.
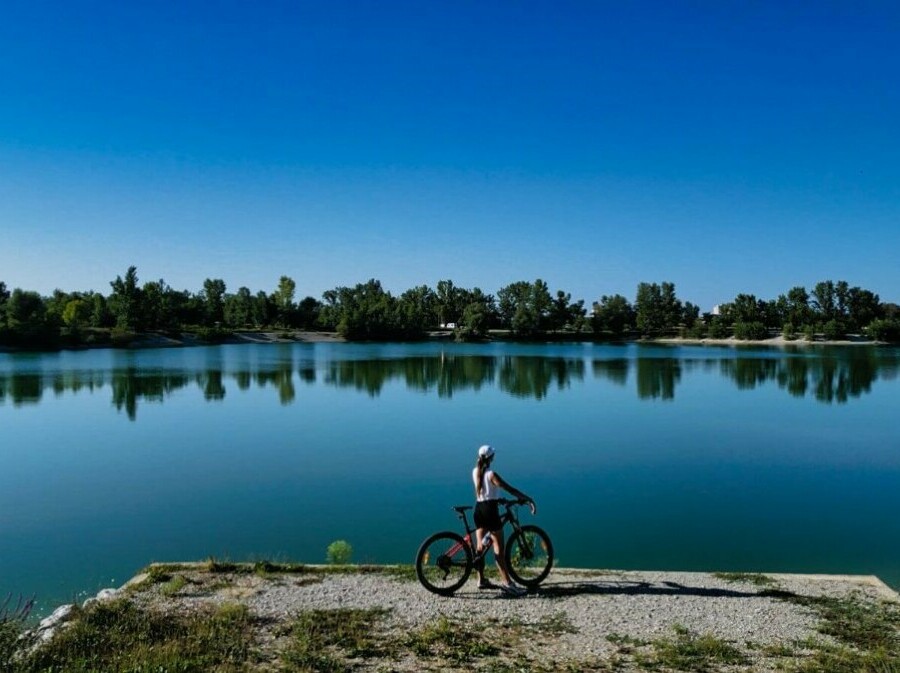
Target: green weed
x=751, y=578
x=688, y=651
x=118, y=636
x=174, y=585
x=322, y=639
x=451, y=640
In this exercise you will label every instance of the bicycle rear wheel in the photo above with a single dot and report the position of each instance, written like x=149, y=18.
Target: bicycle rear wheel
x=529, y=556
x=443, y=563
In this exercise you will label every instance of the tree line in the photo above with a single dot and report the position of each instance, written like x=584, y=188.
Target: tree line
x=367, y=311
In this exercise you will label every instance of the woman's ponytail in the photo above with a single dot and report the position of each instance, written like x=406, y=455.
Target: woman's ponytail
x=479, y=473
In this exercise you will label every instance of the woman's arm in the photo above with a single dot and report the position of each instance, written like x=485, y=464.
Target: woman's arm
x=506, y=486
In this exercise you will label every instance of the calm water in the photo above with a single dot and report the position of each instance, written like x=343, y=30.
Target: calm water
x=639, y=457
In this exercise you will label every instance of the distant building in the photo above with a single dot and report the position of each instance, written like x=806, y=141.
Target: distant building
x=716, y=310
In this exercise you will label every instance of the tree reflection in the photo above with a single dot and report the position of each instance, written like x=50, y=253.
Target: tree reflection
x=444, y=374
x=615, y=371
x=656, y=378
x=130, y=385
x=533, y=376
x=827, y=376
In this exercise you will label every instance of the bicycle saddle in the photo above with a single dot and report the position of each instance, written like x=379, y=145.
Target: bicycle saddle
x=462, y=508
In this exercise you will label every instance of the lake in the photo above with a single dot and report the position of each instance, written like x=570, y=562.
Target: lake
x=639, y=457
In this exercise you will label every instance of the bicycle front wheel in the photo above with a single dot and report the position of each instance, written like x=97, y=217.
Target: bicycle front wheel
x=529, y=556
x=444, y=563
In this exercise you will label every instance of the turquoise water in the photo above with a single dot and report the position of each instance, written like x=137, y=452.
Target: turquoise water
x=654, y=457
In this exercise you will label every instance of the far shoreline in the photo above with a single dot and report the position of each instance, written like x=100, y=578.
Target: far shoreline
x=187, y=340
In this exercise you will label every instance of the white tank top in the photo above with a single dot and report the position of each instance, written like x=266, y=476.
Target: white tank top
x=490, y=490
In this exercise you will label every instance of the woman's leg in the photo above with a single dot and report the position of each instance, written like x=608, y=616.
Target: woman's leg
x=477, y=547
x=498, y=556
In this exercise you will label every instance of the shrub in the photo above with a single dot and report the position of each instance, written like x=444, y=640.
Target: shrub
x=212, y=334
x=884, y=330
x=11, y=624
x=121, y=338
x=833, y=330
x=789, y=332
x=718, y=329
x=339, y=552
x=809, y=333
x=697, y=330
x=754, y=331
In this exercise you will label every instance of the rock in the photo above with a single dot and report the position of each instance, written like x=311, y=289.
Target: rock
x=102, y=596
x=59, y=615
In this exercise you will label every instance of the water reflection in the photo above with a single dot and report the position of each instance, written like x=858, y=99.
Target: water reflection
x=828, y=377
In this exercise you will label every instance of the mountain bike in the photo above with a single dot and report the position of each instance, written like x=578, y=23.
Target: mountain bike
x=445, y=560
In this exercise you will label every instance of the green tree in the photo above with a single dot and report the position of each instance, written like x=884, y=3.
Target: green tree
x=566, y=313
x=76, y=314
x=308, y=312
x=614, y=314
x=283, y=299
x=213, y=296
x=263, y=310
x=417, y=310
x=862, y=308
x=125, y=301
x=101, y=316
x=691, y=314
x=159, y=311
x=238, y=308
x=474, y=322
x=525, y=307
x=449, y=302
x=366, y=312
x=657, y=308
x=746, y=308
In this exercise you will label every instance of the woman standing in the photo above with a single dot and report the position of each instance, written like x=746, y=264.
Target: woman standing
x=487, y=517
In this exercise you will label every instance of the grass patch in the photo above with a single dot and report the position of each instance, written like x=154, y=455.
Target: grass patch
x=688, y=651
x=324, y=639
x=118, y=636
x=749, y=578
x=174, y=585
x=556, y=624
x=867, y=635
x=451, y=640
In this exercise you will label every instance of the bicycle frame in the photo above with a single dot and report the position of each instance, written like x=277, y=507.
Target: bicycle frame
x=507, y=517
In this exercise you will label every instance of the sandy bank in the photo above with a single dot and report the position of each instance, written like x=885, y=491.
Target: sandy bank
x=778, y=342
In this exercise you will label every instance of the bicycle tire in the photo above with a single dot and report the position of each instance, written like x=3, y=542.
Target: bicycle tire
x=439, y=573
x=529, y=556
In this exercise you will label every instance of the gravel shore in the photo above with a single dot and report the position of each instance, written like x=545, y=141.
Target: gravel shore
x=577, y=620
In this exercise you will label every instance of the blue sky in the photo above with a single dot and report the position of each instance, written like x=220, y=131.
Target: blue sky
x=725, y=146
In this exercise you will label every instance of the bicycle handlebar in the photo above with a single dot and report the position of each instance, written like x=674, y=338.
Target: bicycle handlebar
x=509, y=503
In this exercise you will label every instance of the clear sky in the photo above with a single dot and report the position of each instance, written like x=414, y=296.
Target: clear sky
x=724, y=146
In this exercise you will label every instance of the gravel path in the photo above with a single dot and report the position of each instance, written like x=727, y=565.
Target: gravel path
x=642, y=605
x=598, y=609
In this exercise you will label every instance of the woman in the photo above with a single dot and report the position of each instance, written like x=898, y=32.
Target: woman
x=487, y=517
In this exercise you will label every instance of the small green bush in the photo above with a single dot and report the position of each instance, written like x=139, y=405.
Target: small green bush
x=718, y=329
x=833, y=330
x=789, y=332
x=809, y=333
x=339, y=552
x=750, y=331
x=121, y=338
x=698, y=330
x=213, y=334
x=884, y=330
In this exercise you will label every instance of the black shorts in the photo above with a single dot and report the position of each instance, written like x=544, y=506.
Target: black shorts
x=487, y=515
